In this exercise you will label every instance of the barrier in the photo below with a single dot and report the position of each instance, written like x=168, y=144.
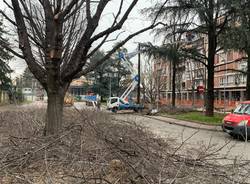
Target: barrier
x=199, y=103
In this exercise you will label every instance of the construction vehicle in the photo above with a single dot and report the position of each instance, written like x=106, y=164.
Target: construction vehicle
x=122, y=103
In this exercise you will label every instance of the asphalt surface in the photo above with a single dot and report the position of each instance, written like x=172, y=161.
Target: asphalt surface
x=215, y=141
x=196, y=138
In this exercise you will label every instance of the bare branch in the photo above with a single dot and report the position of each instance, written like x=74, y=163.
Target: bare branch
x=105, y=38
x=24, y=44
x=32, y=23
x=7, y=18
x=93, y=65
x=67, y=10
x=88, y=13
x=12, y=51
x=117, y=26
x=113, y=39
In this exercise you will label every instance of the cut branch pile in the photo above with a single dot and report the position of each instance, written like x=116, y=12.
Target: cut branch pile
x=94, y=148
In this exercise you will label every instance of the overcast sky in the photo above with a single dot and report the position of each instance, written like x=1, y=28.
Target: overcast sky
x=135, y=22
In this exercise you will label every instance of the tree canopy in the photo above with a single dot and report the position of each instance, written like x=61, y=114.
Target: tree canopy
x=108, y=74
x=5, y=70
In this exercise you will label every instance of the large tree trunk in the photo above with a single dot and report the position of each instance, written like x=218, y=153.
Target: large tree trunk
x=173, y=84
x=210, y=92
x=54, y=112
x=210, y=72
x=0, y=95
x=248, y=76
x=56, y=90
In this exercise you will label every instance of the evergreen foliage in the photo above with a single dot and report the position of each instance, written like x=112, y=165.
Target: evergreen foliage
x=5, y=70
x=111, y=72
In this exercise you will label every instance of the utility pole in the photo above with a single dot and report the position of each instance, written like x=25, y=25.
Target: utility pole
x=118, y=76
x=0, y=91
x=32, y=90
x=139, y=75
x=110, y=86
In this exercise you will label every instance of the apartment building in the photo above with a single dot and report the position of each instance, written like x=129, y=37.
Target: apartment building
x=229, y=82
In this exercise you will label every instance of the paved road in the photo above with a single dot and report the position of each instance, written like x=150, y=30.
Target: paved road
x=200, y=138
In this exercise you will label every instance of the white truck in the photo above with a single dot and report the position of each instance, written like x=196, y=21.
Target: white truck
x=120, y=103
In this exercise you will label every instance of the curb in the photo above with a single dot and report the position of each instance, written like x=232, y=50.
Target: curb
x=201, y=127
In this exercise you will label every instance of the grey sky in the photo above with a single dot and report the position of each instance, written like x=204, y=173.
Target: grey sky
x=135, y=22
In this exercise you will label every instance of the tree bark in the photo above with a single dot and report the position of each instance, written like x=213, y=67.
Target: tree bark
x=248, y=76
x=173, y=84
x=210, y=72
x=56, y=90
x=0, y=95
x=54, y=113
x=210, y=92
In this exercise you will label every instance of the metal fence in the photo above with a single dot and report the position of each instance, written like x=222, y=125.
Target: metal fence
x=219, y=105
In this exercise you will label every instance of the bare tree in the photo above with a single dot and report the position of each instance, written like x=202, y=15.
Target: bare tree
x=57, y=38
x=152, y=81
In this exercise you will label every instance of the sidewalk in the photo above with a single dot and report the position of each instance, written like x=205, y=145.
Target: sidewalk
x=186, y=123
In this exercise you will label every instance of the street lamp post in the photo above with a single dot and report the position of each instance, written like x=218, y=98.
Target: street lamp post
x=139, y=75
x=32, y=90
x=110, y=85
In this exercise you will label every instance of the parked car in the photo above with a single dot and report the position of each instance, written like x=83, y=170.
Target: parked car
x=237, y=123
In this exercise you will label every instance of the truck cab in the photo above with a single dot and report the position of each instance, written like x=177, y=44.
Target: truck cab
x=115, y=104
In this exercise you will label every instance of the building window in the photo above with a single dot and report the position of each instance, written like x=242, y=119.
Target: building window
x=183, y=85
x=222, y=81
x=230, y=56
x=242, y=65
x=230, y=79
x=187, y=75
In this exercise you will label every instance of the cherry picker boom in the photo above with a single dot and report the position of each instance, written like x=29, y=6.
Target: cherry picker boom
x=120, y=103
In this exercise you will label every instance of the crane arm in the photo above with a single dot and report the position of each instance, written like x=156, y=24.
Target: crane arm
x=130, y=88
x=135, y=77
x=126, y=62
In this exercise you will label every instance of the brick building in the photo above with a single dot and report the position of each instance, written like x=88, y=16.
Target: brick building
x=229, y=83
x=76, y=87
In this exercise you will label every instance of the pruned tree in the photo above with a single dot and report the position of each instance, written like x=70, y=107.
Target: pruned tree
x=151, y=81
x=57, y=38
